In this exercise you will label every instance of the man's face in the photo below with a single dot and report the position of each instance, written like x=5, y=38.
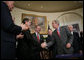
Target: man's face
x=71, y=28
x=28, y=23
x=38, y=29
x=10, y=5
x=54, y=25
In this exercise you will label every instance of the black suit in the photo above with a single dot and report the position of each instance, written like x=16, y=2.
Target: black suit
x=48, y=39
x=50, y=49
x=76, y=42
x=60, y=42
x=25, y=47
x=37, y=45
x=8, y=32
x=81, y=41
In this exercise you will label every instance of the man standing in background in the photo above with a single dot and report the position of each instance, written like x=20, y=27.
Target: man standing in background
x=25, y=45
x=8, y=31
x=48, y=39
x=38, y=39
x=76, y=40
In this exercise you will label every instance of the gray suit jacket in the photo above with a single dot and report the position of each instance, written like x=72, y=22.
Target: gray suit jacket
x=60, y=42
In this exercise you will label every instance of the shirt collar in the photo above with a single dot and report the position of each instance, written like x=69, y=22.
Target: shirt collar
x=36, y=33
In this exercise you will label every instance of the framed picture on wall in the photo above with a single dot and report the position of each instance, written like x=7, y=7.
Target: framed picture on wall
x=37, y=20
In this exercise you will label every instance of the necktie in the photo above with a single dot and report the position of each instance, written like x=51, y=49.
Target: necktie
x=38, y=37
x=58, y=33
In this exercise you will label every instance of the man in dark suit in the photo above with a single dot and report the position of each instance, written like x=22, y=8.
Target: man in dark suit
x=76, y=39
x=8, y=31
x=48, y=39
x=26, y=44
x=62, y=40
x=81, y=42
x=38, y=39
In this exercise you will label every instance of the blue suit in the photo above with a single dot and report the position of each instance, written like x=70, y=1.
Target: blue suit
x=8, y=33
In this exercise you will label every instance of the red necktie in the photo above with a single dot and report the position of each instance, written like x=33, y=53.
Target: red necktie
x=58, y=33
x=38, y=37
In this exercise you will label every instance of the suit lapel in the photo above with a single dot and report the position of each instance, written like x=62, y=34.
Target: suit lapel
x=60, y=32
x=35, y=36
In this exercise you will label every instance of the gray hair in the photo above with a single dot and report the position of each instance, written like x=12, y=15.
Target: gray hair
x=56, y=21
x=70, y=26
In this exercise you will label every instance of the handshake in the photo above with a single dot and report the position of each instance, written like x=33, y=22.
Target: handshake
x=44, y=45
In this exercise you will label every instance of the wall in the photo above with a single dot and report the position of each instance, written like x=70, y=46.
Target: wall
x=76, y=16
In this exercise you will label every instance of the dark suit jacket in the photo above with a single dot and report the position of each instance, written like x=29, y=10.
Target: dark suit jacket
x=76, y=42
x=8, y=32
x=37, y=46
x=60, y=42
x=35, y=38
x=48, y=39
x=25, y=47
x=81, y=41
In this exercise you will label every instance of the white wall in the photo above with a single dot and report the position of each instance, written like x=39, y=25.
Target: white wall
x=64, y=20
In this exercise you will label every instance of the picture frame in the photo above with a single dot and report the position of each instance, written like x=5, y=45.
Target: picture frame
x=37, y=20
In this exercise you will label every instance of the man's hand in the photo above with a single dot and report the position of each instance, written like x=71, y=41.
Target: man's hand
x=68, y=45
x=20, y=36
x=24, y=27
x=43, y=45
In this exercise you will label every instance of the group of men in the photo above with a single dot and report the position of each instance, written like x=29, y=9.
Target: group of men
x=76, y=44
x=29, y=45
